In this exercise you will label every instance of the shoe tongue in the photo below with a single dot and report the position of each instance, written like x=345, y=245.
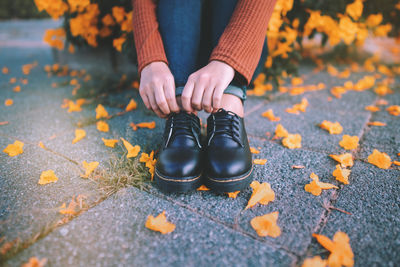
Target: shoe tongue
x=182, y=130
x=224, y=113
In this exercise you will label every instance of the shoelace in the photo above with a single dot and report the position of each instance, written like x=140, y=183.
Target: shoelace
x=181, y=124
x=228, y=125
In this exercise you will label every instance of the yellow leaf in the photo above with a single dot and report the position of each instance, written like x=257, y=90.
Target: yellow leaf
x=79, y=135
x=102, y=126
x=159, y=224
x=380, y=159
x=297, y=81
x=345, y=160
x=150, y=162
x=254, y=150
x=355, y=9
x=372, y=108
x=341, y=252
x=314, y=262
x=14, y=149
x=376, y=123
x=133, y=151
x=41, y=145
x=349, y=142
x=280, y=131
x=131, y=105
x=5, y=70
x=262, y=193
x=89, y=168
x=265, y=225
x=17, y=88
x=395, y=162
x=297, y=108
x=332, y=128
x=292, y=141
x=315, y=187
x=109, y=142
x=233, y=194
x=203, y=188
x=48, y=177
x=394, y=110
x=8, y=102
x=342, y=175
x=101, y=112
x=35, y=262
x=259, y=161
x=269, y=114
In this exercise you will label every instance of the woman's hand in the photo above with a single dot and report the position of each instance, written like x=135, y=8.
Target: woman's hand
x=205, y=87
x=157, y=89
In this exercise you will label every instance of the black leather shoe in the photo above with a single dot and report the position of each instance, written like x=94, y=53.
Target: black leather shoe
x=228, y=162
x=180, y=162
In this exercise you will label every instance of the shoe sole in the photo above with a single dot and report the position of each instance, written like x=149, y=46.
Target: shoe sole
x=231, y=184
x=176, y=185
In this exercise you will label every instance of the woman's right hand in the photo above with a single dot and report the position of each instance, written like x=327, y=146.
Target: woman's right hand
x=157, y=89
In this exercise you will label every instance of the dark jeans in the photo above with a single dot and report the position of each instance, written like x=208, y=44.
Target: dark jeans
x=190, y=29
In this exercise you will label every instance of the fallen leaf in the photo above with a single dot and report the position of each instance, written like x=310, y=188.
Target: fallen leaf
x=269, y=114
x=135, y=84
x=292, y=141
x=341, y=252
x=74, y=206
x=345, y=160
x=14, y=149
x=149, y=161
x=262, y=193
x=5, y=70
x=8, y=102
x=259, y=161
x=342, y=175
x=349, y=142
x=254, y=150
x=315, y=187
x=4, y=123
x=149, y=125
x=265, y=225
x=41, y=145
x=394, y=110
x=109, y=142
x=376, y=123
x=297, y=108
x=332, y=128
x=17, y=88
x=159, y=224
x=13, y=80
x=280, y=131
x=203, y=188
x=314, y=262
x=297, y=81
x=395, y=162
x=79, y=135
x=47, y=177
x=89, y=168
x=35, y=262
x=298, y=167
x=380, y=159
x=233, y=194
x=382, y=90
x=102, y=126
x=101, y=112
x=382, y=102
x=131, y=105
x=133, y=151
x=372, y=108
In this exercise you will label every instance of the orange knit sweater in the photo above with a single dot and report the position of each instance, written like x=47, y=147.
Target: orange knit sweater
x=239, y=46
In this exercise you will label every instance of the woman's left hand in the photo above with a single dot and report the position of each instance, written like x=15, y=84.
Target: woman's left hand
x=205, y=87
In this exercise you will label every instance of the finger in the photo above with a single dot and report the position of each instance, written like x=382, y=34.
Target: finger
x=154, y=105
x=206, y=103
x=217, y=96
x=160, y=99
x=169, y=90
x=186, y=96
x=144, y=98
x=198, y=95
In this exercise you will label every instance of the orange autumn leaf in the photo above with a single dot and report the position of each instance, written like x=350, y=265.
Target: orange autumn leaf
x=394, y=110
x=262, y=193
x=314, y=262
x=35, y=262
x=372, y=108
x=341, y=252
x=135, y=84
x=259, y=161
x=298, y=167
x=131, y=105
x=297, y=108
x=74, y=106
x=382, y=102
x=101, y=112
x=133, y=151
x=233, y=194
x=332, y=128
x=8, y=102
x=5, y=70
x=342, y=175
x=202, y=188
x=89, y=168
x=109, y=142
x=102, y=126
x=315, y=187
x=148, y=125
x=269, y=114
x=4, y=123
x=345, y=160
x=292, y=141
x=13, y=80
x=14, y=149
x=280, y=131
x=380, y=159
x=376, y=123
x=17, y=88
x=265, y=225
x=41, y=145
x=74, y=206
x=349, y=142
x=254, y=150
x=47, y=177
x=297, y=81
x=397, y=163
x=149, y=161
x=382, y=90
x=159, y=224
x=79, y=135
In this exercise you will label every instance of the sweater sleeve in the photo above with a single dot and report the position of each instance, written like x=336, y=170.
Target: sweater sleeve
x=148, y=41
x=241, y=43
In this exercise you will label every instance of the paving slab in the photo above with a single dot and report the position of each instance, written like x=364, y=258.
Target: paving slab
x=372, y=198
x=113, y=234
